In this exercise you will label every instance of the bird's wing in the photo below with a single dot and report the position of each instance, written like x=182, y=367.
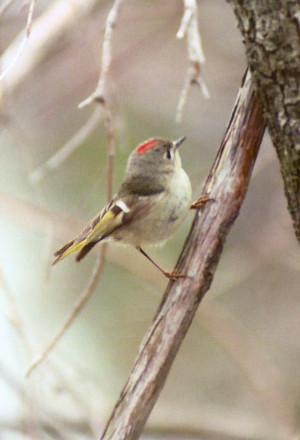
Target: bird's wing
x=115, y=214
x=101, y=226
x=119, y=212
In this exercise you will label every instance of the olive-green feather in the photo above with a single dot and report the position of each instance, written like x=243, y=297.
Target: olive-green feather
x=99, y=228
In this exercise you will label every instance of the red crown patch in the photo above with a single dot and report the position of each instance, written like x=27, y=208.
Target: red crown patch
x=145, y=147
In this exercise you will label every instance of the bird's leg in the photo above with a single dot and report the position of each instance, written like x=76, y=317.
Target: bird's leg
x=171, y=275
x=200, y=202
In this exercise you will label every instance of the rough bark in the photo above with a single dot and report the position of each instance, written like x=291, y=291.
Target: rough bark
x=227, y=185
x=271, y=33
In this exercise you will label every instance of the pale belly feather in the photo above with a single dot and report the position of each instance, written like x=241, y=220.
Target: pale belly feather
x=164, y=217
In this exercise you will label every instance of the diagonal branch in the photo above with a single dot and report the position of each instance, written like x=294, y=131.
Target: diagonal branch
x=227, y=184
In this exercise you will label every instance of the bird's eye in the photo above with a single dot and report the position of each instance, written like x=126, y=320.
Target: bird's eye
x=169, y=156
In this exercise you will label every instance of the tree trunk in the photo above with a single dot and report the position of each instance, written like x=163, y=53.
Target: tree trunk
x=271, y=32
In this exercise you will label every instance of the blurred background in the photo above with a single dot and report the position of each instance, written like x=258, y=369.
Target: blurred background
x=237, y=373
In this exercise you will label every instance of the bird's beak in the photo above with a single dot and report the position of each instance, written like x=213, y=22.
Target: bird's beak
x=179, y=142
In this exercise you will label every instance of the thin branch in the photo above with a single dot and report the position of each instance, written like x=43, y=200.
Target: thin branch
x=28, y=396
x=10, y=381
x=14, y=314
x=99, y=94
x=189, y=26
x=5, y=5
x=23, y=41
x=60, y=156
x=14, y=59
x=47, y=29
x=29, y=18
x=78, y=307
x=111, y=150
x=98, y=269
x=227, y=184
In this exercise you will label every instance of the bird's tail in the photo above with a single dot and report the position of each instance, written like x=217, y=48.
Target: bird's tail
x=99, y=228
x=84, y=247
x=68, y=249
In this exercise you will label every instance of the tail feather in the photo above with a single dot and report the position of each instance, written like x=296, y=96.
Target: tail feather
x=67, y=250
x=99, y=228
x=85, y=250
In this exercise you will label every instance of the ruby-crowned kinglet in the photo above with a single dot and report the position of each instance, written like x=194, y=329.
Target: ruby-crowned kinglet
x=152, y=203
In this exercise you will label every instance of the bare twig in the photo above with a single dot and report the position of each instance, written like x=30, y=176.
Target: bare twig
x=5, y=5
x=58, y=158
x=29, y=18
x=14, y=59
x=28, y=396
x=99, y=94
x=98, y=269
x=227, y=184
x=99, y=266
x=10, y=380
x=14, y=314
x=189, y=25
x=23, y=41
x=46, y=31
x=111, y=150
x=78, y=307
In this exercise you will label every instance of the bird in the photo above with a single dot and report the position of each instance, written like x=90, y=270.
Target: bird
x=151, y=204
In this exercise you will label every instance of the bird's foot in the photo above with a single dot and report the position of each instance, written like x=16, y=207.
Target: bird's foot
x=174, y=275
x=201, y=202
